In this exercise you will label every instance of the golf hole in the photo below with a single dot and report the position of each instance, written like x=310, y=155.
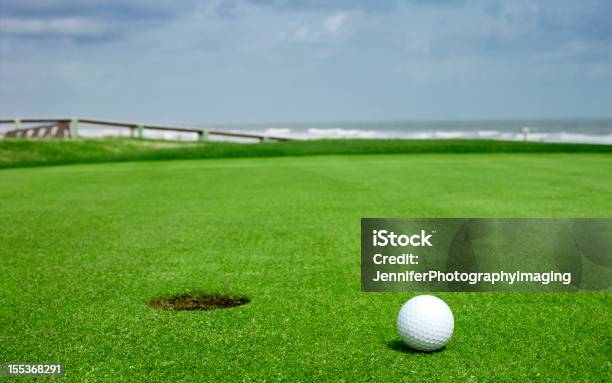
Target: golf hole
x=198, y=302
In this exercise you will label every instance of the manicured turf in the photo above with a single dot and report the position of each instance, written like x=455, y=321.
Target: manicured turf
x=85, y=247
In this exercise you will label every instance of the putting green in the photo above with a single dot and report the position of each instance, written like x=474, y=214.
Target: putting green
x=85, y=247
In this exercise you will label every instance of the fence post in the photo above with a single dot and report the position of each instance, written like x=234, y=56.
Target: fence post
x=63, y=129
x=525, y=133
x=74, y=128
x=140, y=129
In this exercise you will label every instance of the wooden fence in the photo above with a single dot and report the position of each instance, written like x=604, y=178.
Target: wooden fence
x=69, y=128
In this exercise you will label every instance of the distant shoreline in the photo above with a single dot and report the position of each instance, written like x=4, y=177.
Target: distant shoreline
x=585, y=133
x=577, y=130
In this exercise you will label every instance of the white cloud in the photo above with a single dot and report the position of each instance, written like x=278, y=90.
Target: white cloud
x=315, y=32
x=300, y=33
x=69, y=26
x=334, y=24
x=101, y=20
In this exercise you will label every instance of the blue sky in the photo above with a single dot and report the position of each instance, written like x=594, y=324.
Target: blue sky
x=195, y=61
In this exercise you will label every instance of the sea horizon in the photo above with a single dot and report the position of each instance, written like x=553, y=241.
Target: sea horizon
x=579, y=130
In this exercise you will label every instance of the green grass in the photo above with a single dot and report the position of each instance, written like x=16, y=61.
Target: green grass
x=84, y=247
x=28, y=152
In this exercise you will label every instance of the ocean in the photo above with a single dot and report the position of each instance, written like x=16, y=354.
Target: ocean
x=596, y=131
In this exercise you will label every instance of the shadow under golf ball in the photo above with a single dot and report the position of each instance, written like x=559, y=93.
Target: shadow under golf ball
x=399, y=346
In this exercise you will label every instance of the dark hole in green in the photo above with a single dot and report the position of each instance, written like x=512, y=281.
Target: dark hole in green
x=188, y=302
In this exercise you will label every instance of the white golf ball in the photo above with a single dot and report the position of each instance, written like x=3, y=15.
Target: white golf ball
x=425, y=323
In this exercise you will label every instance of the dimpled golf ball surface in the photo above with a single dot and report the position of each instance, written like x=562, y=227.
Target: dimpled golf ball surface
x=425, y=323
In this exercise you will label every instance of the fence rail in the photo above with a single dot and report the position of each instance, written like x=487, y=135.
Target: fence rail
x=69, y=127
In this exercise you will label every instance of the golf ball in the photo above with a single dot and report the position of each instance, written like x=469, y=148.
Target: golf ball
x=425, y=323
